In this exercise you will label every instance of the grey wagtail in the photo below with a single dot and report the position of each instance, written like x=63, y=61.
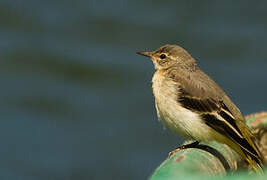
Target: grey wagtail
x=192, y=105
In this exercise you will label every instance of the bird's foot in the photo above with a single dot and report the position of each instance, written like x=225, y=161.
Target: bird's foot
x=186, y=146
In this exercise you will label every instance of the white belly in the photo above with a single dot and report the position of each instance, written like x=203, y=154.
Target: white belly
x=180, y=120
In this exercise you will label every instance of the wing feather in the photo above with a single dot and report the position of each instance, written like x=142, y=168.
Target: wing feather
x=206, y=97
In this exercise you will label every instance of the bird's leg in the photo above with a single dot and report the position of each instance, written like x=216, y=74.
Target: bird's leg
x=191, y=145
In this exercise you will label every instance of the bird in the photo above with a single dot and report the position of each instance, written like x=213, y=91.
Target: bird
x=191, y=104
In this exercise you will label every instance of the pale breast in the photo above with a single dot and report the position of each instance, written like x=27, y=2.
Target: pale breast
x=171, y=113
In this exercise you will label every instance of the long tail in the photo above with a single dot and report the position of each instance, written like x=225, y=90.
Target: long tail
x=255, y=162
x=250, y=153
x=250, y=149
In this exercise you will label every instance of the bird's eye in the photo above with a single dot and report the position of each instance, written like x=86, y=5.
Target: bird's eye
x=162, y=56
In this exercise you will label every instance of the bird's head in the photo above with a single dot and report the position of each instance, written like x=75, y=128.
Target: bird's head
x=168, y=56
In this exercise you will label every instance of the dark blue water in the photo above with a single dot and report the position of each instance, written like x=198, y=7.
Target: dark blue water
x=75, y=99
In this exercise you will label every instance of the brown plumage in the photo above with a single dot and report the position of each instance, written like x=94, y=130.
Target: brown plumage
x=205, y=94
x=190, y=103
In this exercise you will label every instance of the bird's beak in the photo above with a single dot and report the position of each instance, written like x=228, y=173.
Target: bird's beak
x=148, y=54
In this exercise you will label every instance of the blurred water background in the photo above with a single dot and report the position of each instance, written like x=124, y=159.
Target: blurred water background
x=76, y=101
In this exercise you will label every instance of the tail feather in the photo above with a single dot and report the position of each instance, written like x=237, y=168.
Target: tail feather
x=253, y=158
x=249, y=148
x=254, y=162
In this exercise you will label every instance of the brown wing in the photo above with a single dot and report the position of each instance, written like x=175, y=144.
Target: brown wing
x=205, y=96
x=200, y=86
